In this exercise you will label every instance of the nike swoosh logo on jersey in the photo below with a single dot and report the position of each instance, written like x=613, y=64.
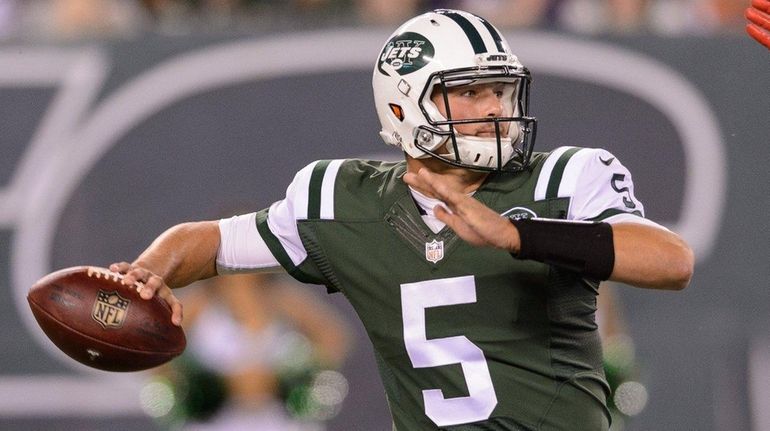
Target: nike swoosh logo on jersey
x=608, y=161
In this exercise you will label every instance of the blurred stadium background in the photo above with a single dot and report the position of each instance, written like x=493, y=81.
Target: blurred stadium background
x=121, y=118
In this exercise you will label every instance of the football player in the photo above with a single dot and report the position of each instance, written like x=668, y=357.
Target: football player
x=474, y=263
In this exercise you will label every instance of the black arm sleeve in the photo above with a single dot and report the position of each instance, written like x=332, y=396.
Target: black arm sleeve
x=584, y=247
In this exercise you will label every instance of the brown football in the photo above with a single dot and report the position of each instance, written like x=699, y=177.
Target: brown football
x=96, y=320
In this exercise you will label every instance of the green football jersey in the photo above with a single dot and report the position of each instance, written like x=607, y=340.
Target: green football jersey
x=466, y=338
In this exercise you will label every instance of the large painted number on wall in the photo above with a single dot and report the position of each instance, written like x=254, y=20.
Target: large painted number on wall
x=424, y=353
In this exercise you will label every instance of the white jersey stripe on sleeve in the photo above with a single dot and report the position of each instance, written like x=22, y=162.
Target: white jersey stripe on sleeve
x=283, y=215
x=284, y=228
x=327, y=189
x=301, y=194
x=545, y=174
x=569, y=179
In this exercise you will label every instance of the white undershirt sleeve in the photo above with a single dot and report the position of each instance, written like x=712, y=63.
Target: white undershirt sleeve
x=242, y=249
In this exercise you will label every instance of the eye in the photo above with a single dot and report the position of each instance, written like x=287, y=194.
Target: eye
x=501, y=90
x=468, y=93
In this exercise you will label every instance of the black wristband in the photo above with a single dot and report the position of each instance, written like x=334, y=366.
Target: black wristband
x=584, y=247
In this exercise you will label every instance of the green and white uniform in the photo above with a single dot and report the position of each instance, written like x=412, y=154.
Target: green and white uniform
x=466, y=338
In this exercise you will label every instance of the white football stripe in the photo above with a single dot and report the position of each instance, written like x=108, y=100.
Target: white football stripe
x=572, y=171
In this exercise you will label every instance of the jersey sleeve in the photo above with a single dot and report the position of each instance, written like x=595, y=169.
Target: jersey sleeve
x=599, y=186
x=306, y=198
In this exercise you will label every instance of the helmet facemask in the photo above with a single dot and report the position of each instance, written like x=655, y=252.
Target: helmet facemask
x=499, y=140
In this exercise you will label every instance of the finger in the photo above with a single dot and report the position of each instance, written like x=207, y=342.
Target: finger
x=455, y=222
x=135, y=275
x=419, y=182
x=459, y=226
x=472, y=211
x=444, y=215
x=411, y=179
x=176, y=305
x=763, y=5
x=153, y=284
x=759, y=18
x=176, y=313
x=759, y=35
x=489, y=227
x=440, y=188
x=144, y=281
x=479, y=226
x=434, y=185
x=120, y=267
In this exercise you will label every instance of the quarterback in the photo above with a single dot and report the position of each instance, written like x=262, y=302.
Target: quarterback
x=474, y=264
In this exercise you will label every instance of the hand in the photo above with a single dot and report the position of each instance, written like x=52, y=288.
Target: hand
x=759, y=26
x=470, y=219
x=150, y=285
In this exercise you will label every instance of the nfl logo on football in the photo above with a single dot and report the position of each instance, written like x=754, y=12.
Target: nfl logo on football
x=434, y=251
x=110, y=309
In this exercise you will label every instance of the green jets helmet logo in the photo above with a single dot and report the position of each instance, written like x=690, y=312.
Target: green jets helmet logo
x=406, y=53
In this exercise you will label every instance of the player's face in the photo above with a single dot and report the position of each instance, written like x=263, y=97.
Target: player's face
x=485, y=100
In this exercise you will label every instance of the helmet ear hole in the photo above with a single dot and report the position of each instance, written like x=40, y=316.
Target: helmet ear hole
x=397, y=111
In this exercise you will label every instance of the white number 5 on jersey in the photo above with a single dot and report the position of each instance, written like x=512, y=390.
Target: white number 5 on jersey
x=424, y=353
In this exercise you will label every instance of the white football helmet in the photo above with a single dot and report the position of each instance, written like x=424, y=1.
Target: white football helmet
x=444, y=49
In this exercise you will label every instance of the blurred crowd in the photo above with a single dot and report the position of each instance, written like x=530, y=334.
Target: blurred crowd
x=262, y=354
x=75, y=19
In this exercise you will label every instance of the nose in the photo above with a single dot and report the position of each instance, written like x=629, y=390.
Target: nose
x=491, y=105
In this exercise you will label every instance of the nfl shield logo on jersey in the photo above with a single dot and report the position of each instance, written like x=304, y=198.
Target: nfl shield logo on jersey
x=434, y=251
